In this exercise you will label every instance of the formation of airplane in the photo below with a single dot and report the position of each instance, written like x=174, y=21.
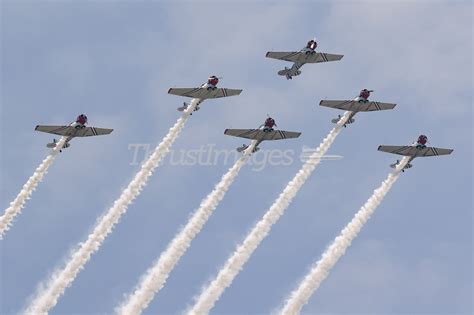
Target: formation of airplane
x=416, y=149
x=75, y=129
x=205, y=91
x=262, y=133
x=266, y=131
x=359, y=104
x=306, y=55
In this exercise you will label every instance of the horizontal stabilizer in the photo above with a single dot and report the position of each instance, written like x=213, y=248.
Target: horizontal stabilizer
x=336, y=120
x=242, y=148
x=284, y=71
x=394, y=165
x=183, y=108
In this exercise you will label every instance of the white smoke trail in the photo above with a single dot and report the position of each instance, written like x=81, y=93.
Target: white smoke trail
x=47, y=298
x=321, y=269
x=25, y=193
x=156, y=276
x=234, y=264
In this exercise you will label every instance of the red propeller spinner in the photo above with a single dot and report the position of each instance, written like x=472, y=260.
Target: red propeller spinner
x=213, y=80
x=270, y=122
x=365, y=93
x=422, y=139
x=81, y=119
x=312, y=44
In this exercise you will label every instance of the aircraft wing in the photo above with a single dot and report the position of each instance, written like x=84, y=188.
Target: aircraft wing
x=69, y=131
x=414, y=151
x=204, y=93
x=259, y=134
x=57, y=130
x=322, y=57
x=92, y=131
x=355, y=106
x=291, y=56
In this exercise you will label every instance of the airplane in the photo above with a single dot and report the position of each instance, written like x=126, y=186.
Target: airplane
x=75, y=129
x=264, y=132
x=417, y=149
x=205, y=91
x=360, y=104
x=306, y=55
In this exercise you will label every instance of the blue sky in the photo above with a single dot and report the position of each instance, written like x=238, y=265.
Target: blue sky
x=115, y=60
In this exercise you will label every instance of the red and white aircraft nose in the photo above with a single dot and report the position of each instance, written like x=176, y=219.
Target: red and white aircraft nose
x=81, y=119
x=422, y=139
x=213, y=80
x=270, y=122
x=365, y=93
